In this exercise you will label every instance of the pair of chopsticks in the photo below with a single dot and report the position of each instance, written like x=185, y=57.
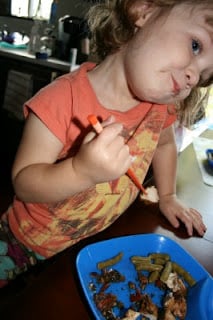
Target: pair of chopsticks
x=98, y=128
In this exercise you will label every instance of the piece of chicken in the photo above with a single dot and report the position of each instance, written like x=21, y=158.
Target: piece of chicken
x=168, y=315
x=148, y=308
x=151, y=196
x=176, y=304
x=131, y=315
x=176, y=284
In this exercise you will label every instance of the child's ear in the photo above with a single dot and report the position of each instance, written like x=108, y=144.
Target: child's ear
x=143, y=11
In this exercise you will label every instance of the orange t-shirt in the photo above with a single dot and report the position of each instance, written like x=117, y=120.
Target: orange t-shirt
x=63, y=106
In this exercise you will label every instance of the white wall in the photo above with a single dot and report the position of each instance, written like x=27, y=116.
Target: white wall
x=65, y=7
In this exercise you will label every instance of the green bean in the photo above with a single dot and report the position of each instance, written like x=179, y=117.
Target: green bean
x=140, y=259
x=110, y=262
x=148, y=267
x=154, y=275
x=166, y=271
x=164, y=256
x=180, y=271
x=160, y=261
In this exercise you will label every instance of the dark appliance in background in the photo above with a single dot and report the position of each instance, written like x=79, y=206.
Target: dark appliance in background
x=5, y=7
x=73, y=32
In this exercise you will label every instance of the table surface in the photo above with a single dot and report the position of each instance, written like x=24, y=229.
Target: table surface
x=56, y=293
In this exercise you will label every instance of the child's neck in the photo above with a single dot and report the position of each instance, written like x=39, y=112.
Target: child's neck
x=109, y=83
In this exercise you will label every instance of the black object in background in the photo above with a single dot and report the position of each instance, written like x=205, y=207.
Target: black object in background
x=5, y=7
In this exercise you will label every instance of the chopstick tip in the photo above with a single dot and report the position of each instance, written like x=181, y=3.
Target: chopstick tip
x=92, y=119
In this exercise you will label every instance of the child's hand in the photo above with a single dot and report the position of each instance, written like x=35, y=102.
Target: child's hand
x=104, y=157
x=174, y=211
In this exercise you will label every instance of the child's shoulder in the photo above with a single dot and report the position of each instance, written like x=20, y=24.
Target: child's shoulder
x=78, y=73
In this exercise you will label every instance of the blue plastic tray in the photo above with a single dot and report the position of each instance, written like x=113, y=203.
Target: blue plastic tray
x=143, y=244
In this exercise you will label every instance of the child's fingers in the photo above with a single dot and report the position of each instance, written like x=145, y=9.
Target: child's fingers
x=175, y=212
x=193, y=220
x=198, y=223
x=89, y=137
x=108, y=121
x=173, y=220
x=110, y=132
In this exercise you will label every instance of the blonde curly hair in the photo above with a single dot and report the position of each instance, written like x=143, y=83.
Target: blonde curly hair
x=112, y=25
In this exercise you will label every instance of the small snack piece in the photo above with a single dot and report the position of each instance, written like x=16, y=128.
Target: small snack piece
x=151, y=196
x=131, y=315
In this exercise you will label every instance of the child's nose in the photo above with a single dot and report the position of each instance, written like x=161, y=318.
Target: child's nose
x=192, y=77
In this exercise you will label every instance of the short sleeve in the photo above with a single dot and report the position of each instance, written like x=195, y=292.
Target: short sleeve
x=53, y=106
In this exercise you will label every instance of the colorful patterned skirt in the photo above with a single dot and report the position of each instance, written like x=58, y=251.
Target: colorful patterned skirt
x=15, y=258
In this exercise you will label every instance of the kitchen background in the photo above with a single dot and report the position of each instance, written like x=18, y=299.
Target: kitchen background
x=21, y=73
x=18, y=16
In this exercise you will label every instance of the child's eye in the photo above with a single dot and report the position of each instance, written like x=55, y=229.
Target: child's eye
x=196, y=47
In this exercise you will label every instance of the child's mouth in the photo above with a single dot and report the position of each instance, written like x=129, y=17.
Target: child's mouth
x=176, y=87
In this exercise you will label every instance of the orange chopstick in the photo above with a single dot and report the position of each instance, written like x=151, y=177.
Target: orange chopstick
x=98, y=128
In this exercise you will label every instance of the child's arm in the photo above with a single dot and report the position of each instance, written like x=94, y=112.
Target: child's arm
x=165, y=163
x=164, y=167
x=38, y=178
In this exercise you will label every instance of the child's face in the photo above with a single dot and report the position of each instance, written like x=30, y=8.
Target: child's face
x=167, y=58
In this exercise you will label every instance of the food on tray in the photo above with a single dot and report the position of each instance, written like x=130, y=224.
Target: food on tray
x=157, y=270
x=110, y=262
x=131, y=315
x=151, y=196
